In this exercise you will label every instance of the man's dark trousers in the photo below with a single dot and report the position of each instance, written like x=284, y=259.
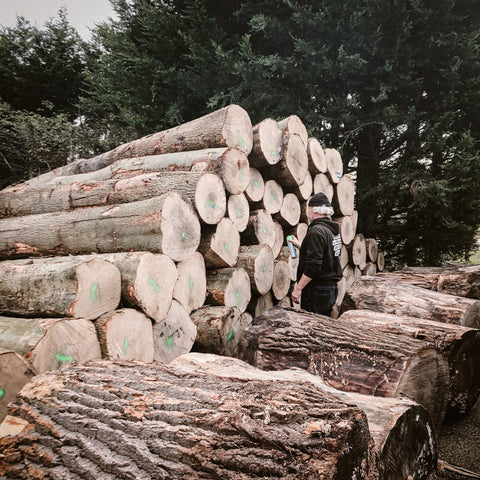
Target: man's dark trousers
x=319, y=298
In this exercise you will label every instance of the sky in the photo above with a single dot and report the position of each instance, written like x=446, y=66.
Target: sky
x=81, y=14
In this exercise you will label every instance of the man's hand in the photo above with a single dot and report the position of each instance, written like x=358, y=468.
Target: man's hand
x=297, y=291
x=295, y=242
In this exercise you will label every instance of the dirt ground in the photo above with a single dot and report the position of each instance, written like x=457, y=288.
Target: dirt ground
x=459, y=442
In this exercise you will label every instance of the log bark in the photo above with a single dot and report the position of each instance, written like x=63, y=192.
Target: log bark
x=357, y=251
x=259, y=304
x=15, y=372
x=349, y=357
x=59, y=287
x=229, y=287
x=293, y=167
x=402, y=431
x=334, y=164
x=50, y=343
x=219, y=246
x=125, y=334
x=322, y=184
x=344, y=196
x=347, y=230
x=281, y=279
x=256, y=186
x=372, y=249
x=349, y=275
x=289, y=214
x=267, y=144
x=173, y=336
x=143, y=420
x=148, y=280
x=272, y=198
x=257, y=261
x=219, y=329
x=167, y=224
x=191, y=286
x=294, y=125
x=459, y=345
x=238, y=211
x=388, y=296
x=317, y=162
x=460, y=281
x=260, y=229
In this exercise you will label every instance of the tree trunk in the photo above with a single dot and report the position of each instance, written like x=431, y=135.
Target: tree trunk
x=372, y=249
x=292, y=262
x=191, y=286
x=459, y=345
x=344, y=197
x=294, y=125
x=317, y=162
x=279, y=238
x=334, y=164
x=168, y=421
x=259, y=304
x=358, y=251
x=349, y=275
x=272, y=198
x=229, y=287
x=267, y=144
x=148, y=280
x=293, y=167
x=257, y=261
x=256, y=186
x=219, y=329
x=173, y=336
x=238, y=211
x=349, y=357
x=15, y=372
x=402, y=431
x=219, y=246
x=289, y=214
x=50, y=343
x=460, y=281
x=398, y=298
x=343, y=254
x=281, y=279
x=125, y=334
x=380, y=262
x=167, y=224
x=260, y=229
x=347, y=232
x=321, y=184
x=59, y=287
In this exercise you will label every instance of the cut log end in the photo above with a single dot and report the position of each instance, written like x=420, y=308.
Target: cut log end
x=239, y=211
x=235, y=171
x=256, y=186
x=334, y=164
x=267, y=143
x=210, y=199
x=317, y=162
x=191, y=287
x=238, y=130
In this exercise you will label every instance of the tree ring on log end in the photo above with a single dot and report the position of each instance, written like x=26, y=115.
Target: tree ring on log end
x=238, y=129
x=210, y=198
x=235, y=171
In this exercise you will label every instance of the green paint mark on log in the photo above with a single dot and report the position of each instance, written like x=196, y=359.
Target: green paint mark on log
x=2, y=392
x=190, y=284
x=230, y=334
x=272, y=198
x=239, y=213
x=241, y=142
x=273, y=152
x=183, y=235
x=225, y=246
x=63, y=358
x=238, y=298
x=154, y=285
x=210, y=204
x=241, y=174
x=256, y=183
x=265, y=231
x=169, y=341
x=93, y=292
x=125, y=345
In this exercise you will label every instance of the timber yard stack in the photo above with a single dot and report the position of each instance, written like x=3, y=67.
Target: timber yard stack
x=175, y=243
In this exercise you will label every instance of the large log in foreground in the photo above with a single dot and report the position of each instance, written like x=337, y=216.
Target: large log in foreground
x=144, y=420
x=391, y=296
x=167, y=224
x=403, y=432
x=459, y=345
x=349, y=357
x=59, y=287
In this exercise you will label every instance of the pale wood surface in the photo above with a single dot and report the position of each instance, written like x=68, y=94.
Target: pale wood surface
x=258, y=262
x=334, y=164
x=344, y=196
x=317, y=162
x=260, y=229
x=229, y=287
x=256, y=186
x=267, y=144
x=322, y=184
x=191, y=286
x=294, y=125
x=238, y=210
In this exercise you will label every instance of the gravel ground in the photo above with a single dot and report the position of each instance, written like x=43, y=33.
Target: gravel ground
x=459, y=442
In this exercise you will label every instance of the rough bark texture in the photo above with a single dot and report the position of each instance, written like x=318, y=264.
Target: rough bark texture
x=219, y=246
x=229, y=287
x=289, y=214
x=322, y=184
x=50, y=343
x=238, y=211
x=344, y=197
x=334, y=164
x=148, y=280
x=256, y=186
x=402, y=431
x=143, y=421
x=267, y=144
x=349, y=357
x=59, y=287
x=219, y=329
x=257, y=261
x=191, y=286
x=15, y=372
x=166, y=224
x=173, y=336
x=391, y=296
x=125, y=334
x=459, y=345
x=260, y=229
x=294, y=125
x=317, y=162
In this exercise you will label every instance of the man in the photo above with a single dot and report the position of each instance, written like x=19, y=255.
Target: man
x=319, y=267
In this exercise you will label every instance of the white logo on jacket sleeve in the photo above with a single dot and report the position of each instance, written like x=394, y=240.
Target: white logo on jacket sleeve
x=337, y=245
